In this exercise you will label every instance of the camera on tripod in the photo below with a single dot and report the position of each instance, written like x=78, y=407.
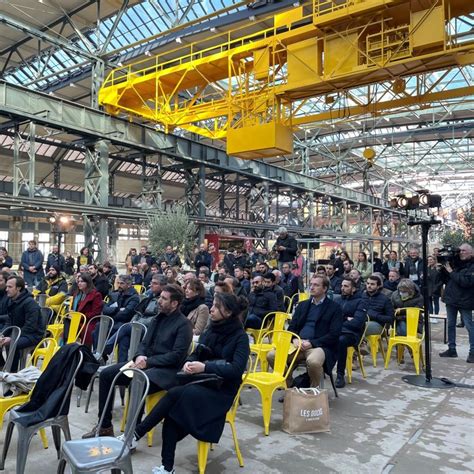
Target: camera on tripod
x=448, y=254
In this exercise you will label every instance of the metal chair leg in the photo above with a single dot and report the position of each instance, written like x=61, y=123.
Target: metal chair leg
x=8, y=438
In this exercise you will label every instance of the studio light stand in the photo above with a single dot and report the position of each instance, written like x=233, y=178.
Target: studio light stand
x=427, y=380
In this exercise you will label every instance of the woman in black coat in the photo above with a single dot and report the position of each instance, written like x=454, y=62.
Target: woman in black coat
x=195, y=408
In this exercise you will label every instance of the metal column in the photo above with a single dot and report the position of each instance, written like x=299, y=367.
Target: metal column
x=24, y=161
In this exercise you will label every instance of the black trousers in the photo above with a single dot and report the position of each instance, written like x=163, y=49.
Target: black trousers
x=172, y=432
x=345, y=341
x=105, y=381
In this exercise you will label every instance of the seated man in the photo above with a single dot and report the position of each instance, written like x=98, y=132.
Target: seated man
x=270, y=282
x=121, y=308
x=55, y=286
x=161, y=354
x=393, y=280
x=334, y=280
x=289, y=281
x=101, y=283
x=318, y=322
x=355, y=317
x=146, y=310
x=261, y=302
x=24, y=312
x=379, y=307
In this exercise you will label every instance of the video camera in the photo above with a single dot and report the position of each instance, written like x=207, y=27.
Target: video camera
x=448, y=254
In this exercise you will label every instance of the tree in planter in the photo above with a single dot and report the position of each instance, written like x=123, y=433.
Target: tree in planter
x=171, y=228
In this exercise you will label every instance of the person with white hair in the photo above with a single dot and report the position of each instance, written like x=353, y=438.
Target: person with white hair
x=286, y=247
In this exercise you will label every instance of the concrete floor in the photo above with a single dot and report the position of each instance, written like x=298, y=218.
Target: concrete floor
x=378, y=425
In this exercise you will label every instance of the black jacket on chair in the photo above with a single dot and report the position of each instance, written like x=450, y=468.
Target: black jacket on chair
x=327, y=328
x=166, y=346
x=51, y=387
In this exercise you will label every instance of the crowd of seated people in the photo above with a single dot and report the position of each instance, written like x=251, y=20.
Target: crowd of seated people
x=213, y=301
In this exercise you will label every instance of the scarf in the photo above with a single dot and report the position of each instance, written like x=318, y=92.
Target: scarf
x=190, y=304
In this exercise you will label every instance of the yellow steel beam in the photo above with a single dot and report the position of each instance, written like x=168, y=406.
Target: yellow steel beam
x=378, y=107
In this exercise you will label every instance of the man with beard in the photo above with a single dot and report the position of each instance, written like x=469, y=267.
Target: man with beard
x=334, y=280
x=261, y=302
x=55, y=286
x=355, y=315
x=161, y=355
x=101, y=283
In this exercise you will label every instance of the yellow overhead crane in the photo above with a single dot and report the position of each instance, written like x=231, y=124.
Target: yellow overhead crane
x=247, y=88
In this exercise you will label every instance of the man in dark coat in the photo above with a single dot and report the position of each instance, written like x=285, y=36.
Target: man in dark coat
x=413, y=267
x=170, y=257
x=355, y=317
x=161, y=354
x=32, y=264
x=334, y=280
x=459, y=297
x=318, y=322
x=261, y=302
x=289, y=281
x=121, y=307
x=101, y=283
x=24, y=312
x=203, y=258
x=286, y=247
x=55, y=258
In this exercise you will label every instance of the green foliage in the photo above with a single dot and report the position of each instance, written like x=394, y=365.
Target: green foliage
x=453, y=237
x=171, y=228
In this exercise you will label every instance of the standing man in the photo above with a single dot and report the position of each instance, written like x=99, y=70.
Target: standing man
x=170, y=257
x=459, y=297
x=286, y=247
x=161, y=354
x=24, y=312
x=203, y=258
x=318, y=322
x=55, y=258
x=413, y=267
x=3, y=299
x=32, y=264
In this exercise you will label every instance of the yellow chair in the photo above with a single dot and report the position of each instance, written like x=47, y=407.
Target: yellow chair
x=350, y=355
x=267, y=382
x=267, y=325
x=140, y=289
x=203, y=447
x=375, y=343
x=47, y=353
x=411, y=340
x=297, y=298
x=262, y=349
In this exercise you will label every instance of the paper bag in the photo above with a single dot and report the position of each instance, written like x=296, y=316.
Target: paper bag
x=306, y=410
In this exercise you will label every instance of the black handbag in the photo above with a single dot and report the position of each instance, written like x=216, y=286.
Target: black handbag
x=209, y=380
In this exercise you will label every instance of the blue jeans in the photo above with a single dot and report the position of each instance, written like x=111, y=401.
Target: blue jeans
x=401, y=328
x=466, y=316
x=123, y=342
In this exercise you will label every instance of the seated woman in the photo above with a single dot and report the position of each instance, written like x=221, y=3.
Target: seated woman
x=194, y=307
x=88, y=301
x=407, y=295
x=228, y=343
x=137, y=277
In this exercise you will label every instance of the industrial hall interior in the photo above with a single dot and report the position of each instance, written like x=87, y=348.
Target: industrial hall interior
x=236, y=236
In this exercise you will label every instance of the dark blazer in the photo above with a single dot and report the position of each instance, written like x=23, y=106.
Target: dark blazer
x=229, y=345
x=262, y=302
x=327, y=328
x=122, y=305
x=25, y=313
x=166, y=346
x=291, y=247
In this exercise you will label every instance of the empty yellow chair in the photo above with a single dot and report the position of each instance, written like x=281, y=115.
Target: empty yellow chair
x=267, y=382
x=260, y=348
x=350, y=355
x=411, y=340
x=267, y=325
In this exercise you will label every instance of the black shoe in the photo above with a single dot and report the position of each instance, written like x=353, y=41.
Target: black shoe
x=281, y=399
x=460, y=325
x=449, y=353
x=470, y=358
x=340, y=381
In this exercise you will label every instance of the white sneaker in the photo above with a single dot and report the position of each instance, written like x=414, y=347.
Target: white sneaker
x=161, y=470
x=133, y=444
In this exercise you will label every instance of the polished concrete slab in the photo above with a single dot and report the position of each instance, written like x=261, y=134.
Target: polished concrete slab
x=378, y=425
